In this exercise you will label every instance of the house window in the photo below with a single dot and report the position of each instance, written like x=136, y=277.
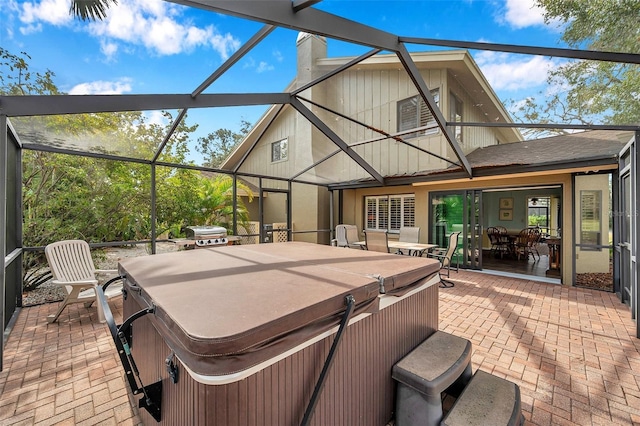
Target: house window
x=279, y=150
x=390, y=212
x=538, y=212
x=455, y=116
x=413, y=112
x=590, y=219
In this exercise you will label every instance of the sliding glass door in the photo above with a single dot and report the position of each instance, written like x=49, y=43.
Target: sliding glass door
x=458, y=211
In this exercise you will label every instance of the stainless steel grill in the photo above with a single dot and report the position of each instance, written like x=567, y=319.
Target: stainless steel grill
x=207, y=235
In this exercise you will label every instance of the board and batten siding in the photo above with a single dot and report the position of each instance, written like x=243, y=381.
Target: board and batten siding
x=369, y=96
x=259, y=161
x=472, y=137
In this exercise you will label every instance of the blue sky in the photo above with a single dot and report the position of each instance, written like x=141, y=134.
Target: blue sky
x=151, y=46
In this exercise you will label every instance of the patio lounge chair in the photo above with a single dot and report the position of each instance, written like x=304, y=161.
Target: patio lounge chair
x=72, y=267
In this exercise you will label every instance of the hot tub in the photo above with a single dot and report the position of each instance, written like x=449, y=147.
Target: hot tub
x=239, y=335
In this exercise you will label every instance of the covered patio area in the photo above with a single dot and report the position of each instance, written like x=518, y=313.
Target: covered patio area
x=572, y=351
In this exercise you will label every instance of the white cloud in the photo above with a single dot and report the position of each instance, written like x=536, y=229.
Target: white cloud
x=54, y=12
x=156, y=117
x=249, y=62
x=278, y=55
x=102, y=88
x=260, y=67
x=264, y=66
x=523, y=13
x=108, y=49
x=157, y=25
x=29, y=29
x=512, y=72
x=224, y=44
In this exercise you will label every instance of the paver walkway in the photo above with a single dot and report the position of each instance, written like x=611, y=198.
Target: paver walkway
x=572, y=352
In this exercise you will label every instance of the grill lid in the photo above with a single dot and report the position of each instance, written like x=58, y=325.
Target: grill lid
x=195, y=232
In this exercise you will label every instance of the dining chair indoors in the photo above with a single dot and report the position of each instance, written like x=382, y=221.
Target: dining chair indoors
x=499, y=241
x=72, y=267
x=527, y=243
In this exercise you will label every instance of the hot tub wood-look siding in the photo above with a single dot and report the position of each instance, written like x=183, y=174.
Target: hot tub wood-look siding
x=275, y=391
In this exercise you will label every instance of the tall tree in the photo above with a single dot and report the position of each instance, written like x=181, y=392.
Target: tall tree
x=17, y=80
x=217, y=146
x=588, y=92
x=72, y=196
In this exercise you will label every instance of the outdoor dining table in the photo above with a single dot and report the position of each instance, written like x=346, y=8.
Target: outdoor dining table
x=413, y=249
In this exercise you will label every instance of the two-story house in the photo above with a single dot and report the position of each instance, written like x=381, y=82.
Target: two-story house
x=561, y=184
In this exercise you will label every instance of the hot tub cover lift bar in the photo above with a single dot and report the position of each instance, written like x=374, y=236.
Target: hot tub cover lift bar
x=152, y=399
x=351, y=303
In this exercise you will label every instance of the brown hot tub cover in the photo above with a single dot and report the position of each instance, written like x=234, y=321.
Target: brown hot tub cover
x=225, y=309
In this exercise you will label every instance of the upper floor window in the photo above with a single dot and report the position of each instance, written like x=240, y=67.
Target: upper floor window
x=279, y=150
x=413, y=112
x=390, y=212
x=455, y=116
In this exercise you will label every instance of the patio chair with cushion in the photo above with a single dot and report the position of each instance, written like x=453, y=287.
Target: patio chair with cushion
x=72, y=267
x=377, y=241
x=445, y=256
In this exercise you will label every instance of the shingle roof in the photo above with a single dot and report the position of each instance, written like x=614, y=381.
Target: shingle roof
x=600, y=144
x=553, y=153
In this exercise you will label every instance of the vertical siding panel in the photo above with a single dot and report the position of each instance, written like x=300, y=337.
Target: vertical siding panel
x=353, y=113
x=359, y=388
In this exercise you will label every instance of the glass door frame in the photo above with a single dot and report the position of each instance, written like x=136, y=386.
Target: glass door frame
x=470, y=241
x=627, y=231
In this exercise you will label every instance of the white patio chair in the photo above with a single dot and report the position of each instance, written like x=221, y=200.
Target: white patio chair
x=409, y=234
x=346, y=236
x=72, y=267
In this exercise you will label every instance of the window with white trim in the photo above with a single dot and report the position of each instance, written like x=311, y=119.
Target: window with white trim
x=390, y=212
x=413, y=112
x=279, y=150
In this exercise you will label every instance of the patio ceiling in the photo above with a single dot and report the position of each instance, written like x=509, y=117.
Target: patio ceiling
x=298, y=15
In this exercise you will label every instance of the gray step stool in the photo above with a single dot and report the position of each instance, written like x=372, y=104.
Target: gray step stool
x=442, y=362
x=487, y=400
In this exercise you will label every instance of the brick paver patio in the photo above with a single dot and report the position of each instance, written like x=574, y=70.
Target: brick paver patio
x=572, y=352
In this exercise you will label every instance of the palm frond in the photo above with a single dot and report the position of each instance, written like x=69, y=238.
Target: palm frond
x=92, y=10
